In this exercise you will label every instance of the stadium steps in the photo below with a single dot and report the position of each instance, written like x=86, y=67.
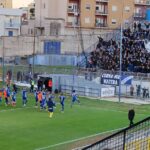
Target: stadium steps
x=136, y=137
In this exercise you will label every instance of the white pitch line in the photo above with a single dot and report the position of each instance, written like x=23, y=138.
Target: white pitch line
x=75, y=140
x=113, y=110
x=4, y=110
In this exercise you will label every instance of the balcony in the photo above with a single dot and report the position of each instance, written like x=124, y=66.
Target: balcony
x=101, y=13
x=74, y=12
x=103, y=1
x=142, y=2
x=71, y=24
x=12, y=25
x=101, y=25
x=139, y=15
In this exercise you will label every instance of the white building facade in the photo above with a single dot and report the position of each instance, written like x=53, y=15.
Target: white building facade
x=10, y=22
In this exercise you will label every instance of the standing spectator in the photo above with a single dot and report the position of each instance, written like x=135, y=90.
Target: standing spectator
x=139, y=27
x=138, y=89
x=32, y=85
x=40, y=84
x=147, y=93
x=131, y=90
x=131, y=115
x=144, y=92
x=134, y=26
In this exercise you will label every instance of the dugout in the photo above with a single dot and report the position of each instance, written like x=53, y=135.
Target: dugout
x=45, y=81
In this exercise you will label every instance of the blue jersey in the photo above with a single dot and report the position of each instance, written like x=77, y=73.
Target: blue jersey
x=13, y=96
x=36, y=94
x=74, y=96
x=8, y=92
x=50, y=104
x=52, y=97
x=62, y=99
x=43, y=96
x=24, y=94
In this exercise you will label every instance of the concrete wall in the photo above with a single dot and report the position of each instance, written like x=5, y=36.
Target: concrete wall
x=70, y=43
x=54, y=60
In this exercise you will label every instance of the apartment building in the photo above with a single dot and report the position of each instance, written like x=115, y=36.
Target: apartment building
x=105, y=13
x=92, y=13
x=10, y=22
x=31, y=11
x=6, y=3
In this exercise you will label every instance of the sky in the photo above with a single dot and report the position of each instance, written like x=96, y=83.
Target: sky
x=21, y=3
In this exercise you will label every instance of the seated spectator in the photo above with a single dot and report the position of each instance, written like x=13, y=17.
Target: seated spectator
x=135, y=57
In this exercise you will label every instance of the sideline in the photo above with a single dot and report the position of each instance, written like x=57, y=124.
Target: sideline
x=14, y=109
x=75, y=140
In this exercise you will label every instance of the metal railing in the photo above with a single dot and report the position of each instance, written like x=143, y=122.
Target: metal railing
x=82, y=91
x=137, y=75
x=136, y=137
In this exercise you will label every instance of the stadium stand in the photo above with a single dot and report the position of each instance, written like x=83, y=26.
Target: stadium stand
x=135, y=53
x=136, y=137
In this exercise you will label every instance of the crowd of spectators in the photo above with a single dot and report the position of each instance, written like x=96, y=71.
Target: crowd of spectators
x=135, y=57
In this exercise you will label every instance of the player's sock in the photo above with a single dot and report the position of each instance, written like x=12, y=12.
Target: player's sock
x=51, y=114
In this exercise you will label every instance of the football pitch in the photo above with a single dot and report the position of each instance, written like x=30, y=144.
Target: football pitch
x=28, y=128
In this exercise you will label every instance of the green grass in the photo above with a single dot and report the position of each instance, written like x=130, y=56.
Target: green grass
x=29, y=128
x=39, y=69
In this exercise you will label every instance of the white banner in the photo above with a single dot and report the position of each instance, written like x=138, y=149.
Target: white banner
x=108, y=92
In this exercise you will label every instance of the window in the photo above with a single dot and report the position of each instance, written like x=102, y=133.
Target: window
x=10, y=33
x=114, y=8
x=97, y=8
x=87, y=20
x=87, y=6
x=100, y=8
x=32, y=31
x=126, y=22
x=72, y=7
x=55, y=28
x=28, y=31
x=113, y=21
x=127, y=8
x=44, y=5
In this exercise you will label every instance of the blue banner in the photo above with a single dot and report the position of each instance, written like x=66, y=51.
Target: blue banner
x=110, y=79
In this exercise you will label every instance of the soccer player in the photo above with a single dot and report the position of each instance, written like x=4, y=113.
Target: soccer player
x=1, y=93
x=52, y=97
x=36, y=97
x=13, y=97
x=8, y=95
x=5, y=96
x=62, y=101
x=74, y=98
x=50, y=105
x=43, y=100
x=24, y=97
x=40, y=98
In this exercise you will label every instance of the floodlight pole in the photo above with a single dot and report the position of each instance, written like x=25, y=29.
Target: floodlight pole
x=3, y=61
x=120, y=69
x=33, y=63
x=121, y=37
